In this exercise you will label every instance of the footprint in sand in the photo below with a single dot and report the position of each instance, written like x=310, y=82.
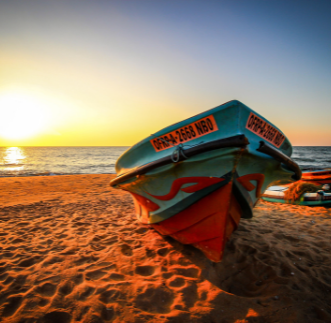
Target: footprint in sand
x=56, y=317
x=8, y=254
x=3, y=276
x=66, y=288
x=18, y=283
x=107, y=313
x=28, y=262
x=177, y=282
x=115, y=276
x=155, y=300
x=61, y=236
x=53, y=260
x=141, y=230
x=96, y=274
x=86, y=293
x=84, y=260
x=126, y=250
x=97, y=247
x=145, y=270
x=111, y=296
x=46, y=289
x=43, y=302
x=8, y=280
x=81, y=313
x=12, y=305
x=78, y=279
x=69, y=251
x=167, y=275
x=163, y=252
x=111, y=240
x=189, y=295
x=186, y=272
x=18, y=240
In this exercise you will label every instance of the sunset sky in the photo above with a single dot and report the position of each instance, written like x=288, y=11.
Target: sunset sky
x=105, y=73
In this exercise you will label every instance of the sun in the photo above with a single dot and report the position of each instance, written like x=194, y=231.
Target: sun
x=22, y=115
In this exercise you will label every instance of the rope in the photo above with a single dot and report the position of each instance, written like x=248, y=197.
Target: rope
x=178, y=151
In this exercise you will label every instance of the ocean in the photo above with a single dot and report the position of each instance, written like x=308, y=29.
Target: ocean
x=44, y=161
x=47, y=161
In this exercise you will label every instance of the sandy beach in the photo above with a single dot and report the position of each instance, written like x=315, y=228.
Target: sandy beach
x=72, y=251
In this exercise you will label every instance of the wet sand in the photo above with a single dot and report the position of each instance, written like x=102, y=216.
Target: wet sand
x=71, y=250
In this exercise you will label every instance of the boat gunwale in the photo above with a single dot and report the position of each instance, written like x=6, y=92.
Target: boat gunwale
x=236, y=141
x=281, y=157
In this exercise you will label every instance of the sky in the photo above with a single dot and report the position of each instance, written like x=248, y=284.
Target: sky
x=110, y=73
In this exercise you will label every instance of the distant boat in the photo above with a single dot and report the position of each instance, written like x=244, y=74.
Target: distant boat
x=195, y=179
x=316, y=183
x=316, y=175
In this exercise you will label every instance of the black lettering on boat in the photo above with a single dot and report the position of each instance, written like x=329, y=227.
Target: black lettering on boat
x=209, y=124
x=172, y=139
x=166, y=140
x=159, y=142
x=179, y=136
x=267, y=132
x=188, y=132
x=192, y=131
x=204, y=126
x=156, y=144
x=279, y=139
x=199, y=128
x=250, y=122
x=274, y=132
x=164, y=144
x=264, y=130
x=256, y=124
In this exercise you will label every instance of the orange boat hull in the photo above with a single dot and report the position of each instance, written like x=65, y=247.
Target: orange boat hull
x=207, y=224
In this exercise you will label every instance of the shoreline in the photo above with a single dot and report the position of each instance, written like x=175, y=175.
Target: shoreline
x=73, y=251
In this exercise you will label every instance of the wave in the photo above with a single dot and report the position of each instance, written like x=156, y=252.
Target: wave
x=27, y=174
x=11, y=165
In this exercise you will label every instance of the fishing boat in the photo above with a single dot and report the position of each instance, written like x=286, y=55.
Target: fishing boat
x=277, y=194
x=195, y=179
x=315, y=181
x=316, y=175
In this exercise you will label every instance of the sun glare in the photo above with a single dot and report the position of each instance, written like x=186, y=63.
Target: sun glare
x=22, y=115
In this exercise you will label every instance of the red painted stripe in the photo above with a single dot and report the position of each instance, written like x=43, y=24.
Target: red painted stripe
x=201, y=183
x=245, y=181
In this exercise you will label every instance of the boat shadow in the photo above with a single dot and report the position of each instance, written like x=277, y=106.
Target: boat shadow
x=263, y=269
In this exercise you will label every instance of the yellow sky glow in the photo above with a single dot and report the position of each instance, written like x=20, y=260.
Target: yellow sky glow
x=23, y=115
x=110, y=73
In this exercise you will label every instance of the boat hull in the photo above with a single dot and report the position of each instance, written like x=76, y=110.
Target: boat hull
x=318, y=177
x=276, y=194
x=207, y=224
x=198, y=193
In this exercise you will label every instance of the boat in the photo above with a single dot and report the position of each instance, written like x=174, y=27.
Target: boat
x=313, y=189
x=316, y=175
x=321, y=197
x=195, y=180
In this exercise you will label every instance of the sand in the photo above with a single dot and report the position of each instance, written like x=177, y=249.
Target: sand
x=72, y=251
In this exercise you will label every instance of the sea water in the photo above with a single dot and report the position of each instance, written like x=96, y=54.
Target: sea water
x=43, y=161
